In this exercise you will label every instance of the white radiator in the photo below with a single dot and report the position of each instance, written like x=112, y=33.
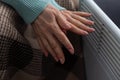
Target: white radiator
x=101, y=48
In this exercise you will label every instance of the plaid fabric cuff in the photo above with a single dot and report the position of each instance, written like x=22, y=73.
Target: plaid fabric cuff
x=56, y=5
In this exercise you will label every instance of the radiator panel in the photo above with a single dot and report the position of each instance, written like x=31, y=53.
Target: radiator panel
x=101, y=48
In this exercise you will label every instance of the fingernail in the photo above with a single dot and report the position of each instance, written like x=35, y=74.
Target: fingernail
x=56, y=59
x=89, y=14
x=71, y=51
x=92, y=22
x=45, y=53
x=62, y=60
x=92, y=29
x=85, y=33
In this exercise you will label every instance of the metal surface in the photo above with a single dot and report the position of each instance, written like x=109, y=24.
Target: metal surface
x=101, y=48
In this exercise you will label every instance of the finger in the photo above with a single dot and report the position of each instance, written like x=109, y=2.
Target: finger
x=78, y=30
x=38, y=33
x=49, y=49
x=82, y=19
x=43, y=49
x=65, y=31
x=57, y=48
x=84, y=14
x=79, y=24
x=59, y=34
x=61, y=20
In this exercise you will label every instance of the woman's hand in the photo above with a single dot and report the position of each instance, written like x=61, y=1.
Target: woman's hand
x=78, y=22
x=48, y=29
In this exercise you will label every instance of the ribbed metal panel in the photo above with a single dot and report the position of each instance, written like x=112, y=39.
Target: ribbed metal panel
x=105, y=45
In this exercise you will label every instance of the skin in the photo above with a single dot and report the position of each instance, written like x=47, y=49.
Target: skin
x=50, y=28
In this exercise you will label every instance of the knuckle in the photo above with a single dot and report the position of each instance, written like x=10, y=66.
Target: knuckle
x=54, y=46
x=51, y=24
x=61, y=33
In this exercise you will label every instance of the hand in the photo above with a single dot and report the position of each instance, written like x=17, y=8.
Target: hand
x=78, y=21
x=48, y=29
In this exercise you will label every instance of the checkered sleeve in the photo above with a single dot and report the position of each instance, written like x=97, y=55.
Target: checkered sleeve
x=56, y=5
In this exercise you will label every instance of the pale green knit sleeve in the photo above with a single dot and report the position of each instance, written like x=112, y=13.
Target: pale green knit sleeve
x=29, y=10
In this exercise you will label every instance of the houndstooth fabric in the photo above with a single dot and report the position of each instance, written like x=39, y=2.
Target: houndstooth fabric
x=16, y=54
x=20, y=55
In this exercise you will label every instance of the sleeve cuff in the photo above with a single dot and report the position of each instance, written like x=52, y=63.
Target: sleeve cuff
x=28, y=10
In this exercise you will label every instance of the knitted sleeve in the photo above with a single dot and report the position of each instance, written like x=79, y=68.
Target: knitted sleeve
x=29, y=10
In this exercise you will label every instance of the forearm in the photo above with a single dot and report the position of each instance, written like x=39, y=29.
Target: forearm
x=30, y=9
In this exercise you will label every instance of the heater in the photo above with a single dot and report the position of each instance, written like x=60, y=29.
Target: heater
x=102, y=47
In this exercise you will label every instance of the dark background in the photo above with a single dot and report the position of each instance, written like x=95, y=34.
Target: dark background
x=111, y=8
